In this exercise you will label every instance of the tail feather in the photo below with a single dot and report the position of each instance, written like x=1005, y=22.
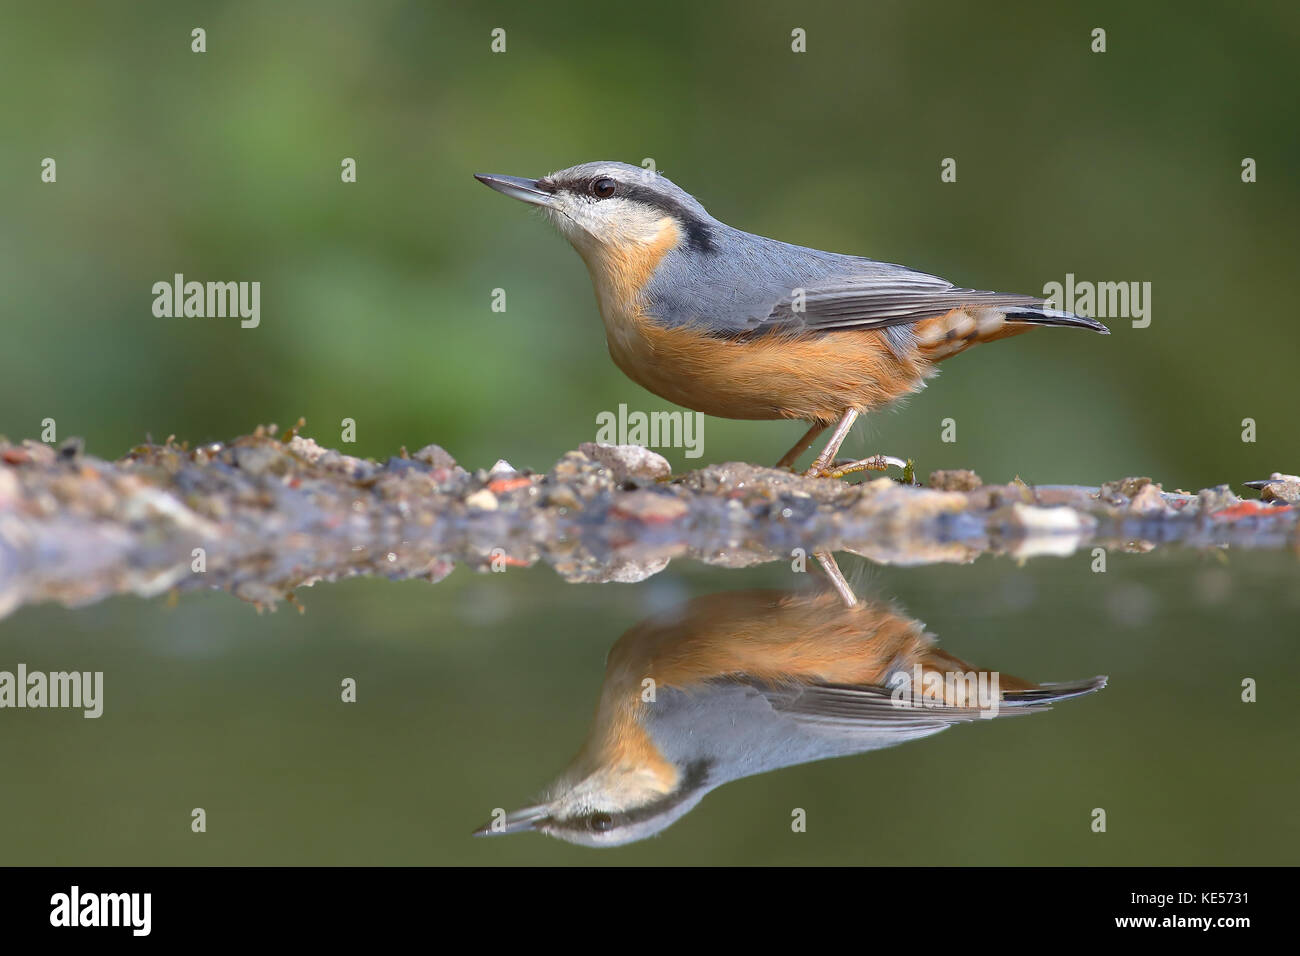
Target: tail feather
x=1018, y=694
x=1042, y=315
x=1044, y=695
x=942, y=336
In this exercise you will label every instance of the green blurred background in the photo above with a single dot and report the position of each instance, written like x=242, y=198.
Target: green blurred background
x=1122, y=166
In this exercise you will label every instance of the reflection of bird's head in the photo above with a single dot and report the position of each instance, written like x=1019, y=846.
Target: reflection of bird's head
x=740, y=683
x=608, y=806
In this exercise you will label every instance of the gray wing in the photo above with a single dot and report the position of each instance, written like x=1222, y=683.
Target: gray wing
x=864, y=713
x=874, y=708
x=880, y=300
x=756, y=284
x=741, y=726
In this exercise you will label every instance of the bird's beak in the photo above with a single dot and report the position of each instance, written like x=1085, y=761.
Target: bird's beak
x=517, y=188
x=520, y=821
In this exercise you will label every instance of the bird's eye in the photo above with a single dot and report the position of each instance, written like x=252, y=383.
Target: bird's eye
x=603, y=188
x=600, y=822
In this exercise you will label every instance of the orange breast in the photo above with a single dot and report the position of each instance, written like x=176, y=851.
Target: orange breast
x=808, y=377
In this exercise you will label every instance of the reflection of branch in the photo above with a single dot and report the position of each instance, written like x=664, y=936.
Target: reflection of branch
x=263, y=515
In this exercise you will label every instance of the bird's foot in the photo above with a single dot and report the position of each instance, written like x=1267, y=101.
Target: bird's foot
x=839, y=469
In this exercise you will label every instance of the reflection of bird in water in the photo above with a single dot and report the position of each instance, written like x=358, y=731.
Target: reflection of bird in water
x=743, y=682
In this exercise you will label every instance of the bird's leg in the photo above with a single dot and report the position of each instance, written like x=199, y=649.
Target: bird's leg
x=874, y=463
x=833, y=572
x=790, y=457
x=818, y=469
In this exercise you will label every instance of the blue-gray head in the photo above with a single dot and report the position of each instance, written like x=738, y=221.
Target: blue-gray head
x=606, y=207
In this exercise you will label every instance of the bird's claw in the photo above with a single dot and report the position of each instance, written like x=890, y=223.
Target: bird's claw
x=838, y=469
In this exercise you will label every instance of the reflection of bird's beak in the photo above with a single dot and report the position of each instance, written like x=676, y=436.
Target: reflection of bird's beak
x=529, y=818
x=517, y=188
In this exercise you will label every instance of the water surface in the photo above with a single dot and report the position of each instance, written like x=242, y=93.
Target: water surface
x=474, y=693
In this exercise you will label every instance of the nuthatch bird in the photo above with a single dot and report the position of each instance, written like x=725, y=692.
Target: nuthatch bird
x=739, y=326
x=745, y=682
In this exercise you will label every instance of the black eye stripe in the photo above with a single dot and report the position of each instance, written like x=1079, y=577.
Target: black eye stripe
x=698, y=234
x=692, y=779
x=583, y=187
